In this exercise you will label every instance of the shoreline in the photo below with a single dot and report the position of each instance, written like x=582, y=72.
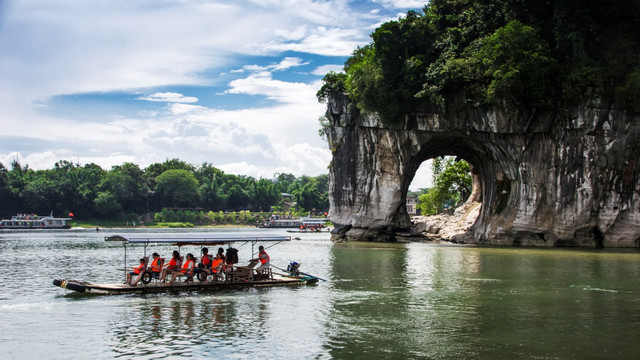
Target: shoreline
x=113, y=226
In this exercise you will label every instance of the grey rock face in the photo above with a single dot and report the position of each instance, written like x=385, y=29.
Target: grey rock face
x=547, y=179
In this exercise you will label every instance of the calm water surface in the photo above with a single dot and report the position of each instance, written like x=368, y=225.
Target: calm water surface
x=404, y=301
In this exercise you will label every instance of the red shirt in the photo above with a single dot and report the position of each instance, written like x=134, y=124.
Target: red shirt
x=205, y=260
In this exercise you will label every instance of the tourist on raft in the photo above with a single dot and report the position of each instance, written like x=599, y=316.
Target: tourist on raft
x=156, y=264
x=218, y=263
x=154, y=269
x=205, y=262
x=138, y=270
x=172, y=266
x=187, y=269
x=221, y=254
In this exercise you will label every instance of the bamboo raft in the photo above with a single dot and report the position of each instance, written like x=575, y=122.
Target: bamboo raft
x=235, y=277
x=154, y=287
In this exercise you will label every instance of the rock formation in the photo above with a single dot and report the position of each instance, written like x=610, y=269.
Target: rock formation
x=569, y=178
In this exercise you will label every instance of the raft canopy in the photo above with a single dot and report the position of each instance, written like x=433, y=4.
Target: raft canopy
x=209, y=239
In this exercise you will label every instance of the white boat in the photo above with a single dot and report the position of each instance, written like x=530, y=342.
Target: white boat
x=26, y=221
x=276, y=221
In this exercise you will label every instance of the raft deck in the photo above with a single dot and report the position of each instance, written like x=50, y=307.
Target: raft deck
x=152, y=287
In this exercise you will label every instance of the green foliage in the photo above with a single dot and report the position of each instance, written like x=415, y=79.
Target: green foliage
x=475, y=52
x=175, y=224
x=324, y=126
x=430, y=203
x=244, y=217
x=456, y=178
x=91, y=192
x=127, y=184
x=629, y=92
x=518, y=64
x=437, y=165
x=178, y=187
x=452, y=184
x=331, y=83
x=107, y=204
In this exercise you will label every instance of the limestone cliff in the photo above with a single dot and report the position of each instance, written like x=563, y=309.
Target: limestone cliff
x=570, y=178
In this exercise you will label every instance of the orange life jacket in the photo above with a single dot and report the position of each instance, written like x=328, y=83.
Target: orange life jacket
x=173, y=263
x=187, y=268
x=263, y=256
x=216, y=263
x=155, y=265
x=138, y=268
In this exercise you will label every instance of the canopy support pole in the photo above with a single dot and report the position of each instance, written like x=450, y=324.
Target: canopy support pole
x=125, y=260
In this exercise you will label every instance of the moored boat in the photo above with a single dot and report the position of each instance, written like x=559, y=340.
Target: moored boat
x=31, y=221
x=304, y=223
x=318, y=229
x=234, y=276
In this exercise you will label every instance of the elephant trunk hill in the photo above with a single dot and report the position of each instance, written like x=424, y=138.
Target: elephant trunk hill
x=564, y=178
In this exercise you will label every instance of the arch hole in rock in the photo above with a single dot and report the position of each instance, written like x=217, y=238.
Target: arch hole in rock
x=445, y=197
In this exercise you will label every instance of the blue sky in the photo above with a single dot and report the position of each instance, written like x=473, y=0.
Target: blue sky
x=231, y=83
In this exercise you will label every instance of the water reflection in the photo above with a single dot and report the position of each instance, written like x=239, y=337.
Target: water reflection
x=186, y=325
x=422, y=301
x=400, y=300
x=368, y=301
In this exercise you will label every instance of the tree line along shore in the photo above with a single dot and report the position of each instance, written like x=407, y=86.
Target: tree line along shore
x=172, y=192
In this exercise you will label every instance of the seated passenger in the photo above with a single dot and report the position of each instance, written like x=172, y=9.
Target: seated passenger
x=187, y=268
x=138, y=270
x=205, y=262
x=221, y=254
x=217, y=265
x=172, y=266
x=156, y=264
x=154, y=269
x=221, y=261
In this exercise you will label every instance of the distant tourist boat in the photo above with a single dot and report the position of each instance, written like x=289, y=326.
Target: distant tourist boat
x=26, y=221
x=305, y=223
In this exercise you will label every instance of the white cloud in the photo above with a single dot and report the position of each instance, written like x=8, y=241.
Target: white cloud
x=324, y=69
x=322, y=41
x=297, y=159
x=170, y=97
x=285, y=64
x=179, y=109
x=423, y=178
x=154, y=49
x=263, y=84
x=292, y=35
x=403, y=4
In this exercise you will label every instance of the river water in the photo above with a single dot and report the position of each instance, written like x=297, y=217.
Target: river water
x=379, y=301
